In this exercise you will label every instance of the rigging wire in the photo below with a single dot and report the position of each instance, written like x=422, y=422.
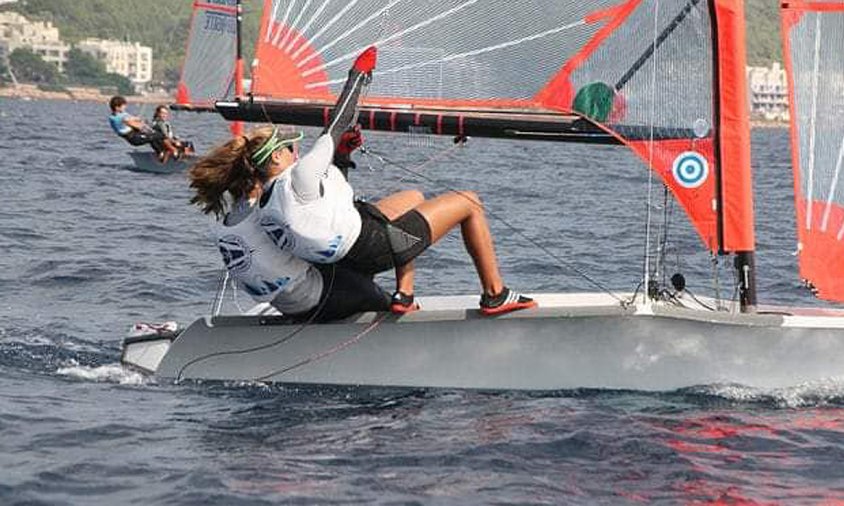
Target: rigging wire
x=646, y=264
x=716, y=278
x=561, y=263
x=666, y=226
x=220, y=293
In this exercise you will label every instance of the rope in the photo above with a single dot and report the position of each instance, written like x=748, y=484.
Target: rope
x=272, y=344
x=217, y=303
x=666, y=225
x=646, y=268
x=334, y=349
x=561, y=263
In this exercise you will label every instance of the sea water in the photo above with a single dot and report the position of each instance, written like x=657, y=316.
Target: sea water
x=89, y=248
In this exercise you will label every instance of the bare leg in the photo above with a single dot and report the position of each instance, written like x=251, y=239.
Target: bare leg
x=399, y=203
x=171, y=148
x=465, y=209
x=394, y=206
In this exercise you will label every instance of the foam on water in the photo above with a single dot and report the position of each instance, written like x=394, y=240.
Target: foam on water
x=109, y=373
x=827, y=392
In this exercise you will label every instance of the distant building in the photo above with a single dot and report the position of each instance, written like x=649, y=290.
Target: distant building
x=768, y=92
x=42, y=38
x=128, y=59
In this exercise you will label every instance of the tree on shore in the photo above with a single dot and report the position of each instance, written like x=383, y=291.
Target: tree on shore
x=82, y=68
x=4, y=73
x=30, y=67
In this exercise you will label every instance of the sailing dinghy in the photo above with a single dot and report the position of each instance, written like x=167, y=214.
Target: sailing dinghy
x=212, y=38
x=664, y=78
x=147, y=161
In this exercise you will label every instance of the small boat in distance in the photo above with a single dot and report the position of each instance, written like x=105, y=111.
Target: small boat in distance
x=147, y=161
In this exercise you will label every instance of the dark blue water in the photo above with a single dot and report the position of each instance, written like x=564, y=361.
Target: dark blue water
x=88, y=248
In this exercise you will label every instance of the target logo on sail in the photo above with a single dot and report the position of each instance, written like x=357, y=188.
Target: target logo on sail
x=690, y=169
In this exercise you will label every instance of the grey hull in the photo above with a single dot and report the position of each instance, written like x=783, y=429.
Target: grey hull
x=147, y=161
x=569, y=342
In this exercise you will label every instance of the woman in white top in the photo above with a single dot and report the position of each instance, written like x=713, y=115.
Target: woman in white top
x=295, y=287
x=308, y=208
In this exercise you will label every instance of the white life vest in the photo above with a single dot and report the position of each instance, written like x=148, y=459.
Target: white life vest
x=265, y=272
x=321, y=230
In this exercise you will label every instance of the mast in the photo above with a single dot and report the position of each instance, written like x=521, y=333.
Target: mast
x=735, y=191
x=237, y=126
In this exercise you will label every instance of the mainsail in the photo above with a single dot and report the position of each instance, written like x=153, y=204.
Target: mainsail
x=813, y=40
x=208, y=72
x=664, y=77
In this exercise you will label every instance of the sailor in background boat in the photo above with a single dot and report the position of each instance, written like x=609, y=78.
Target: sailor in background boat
x=161, y=124
x=136, y=132
x=308, y=208
x=225, y=186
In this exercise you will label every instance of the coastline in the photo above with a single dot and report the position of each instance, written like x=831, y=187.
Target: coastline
x=31, y=92
x=763, y=123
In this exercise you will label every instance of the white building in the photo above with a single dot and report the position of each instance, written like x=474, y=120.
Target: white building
x=768, y=92
x=42, y=38
x=128, y=59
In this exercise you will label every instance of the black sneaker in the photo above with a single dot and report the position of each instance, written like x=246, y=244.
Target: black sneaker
x=403, y=303
x=506, y=301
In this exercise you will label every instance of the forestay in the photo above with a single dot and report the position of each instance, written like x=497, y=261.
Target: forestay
x=208, y=70
x=655, y=74
x=813, y=38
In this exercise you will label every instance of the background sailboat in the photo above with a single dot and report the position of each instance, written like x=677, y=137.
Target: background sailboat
x=213, y=65
x=664, y=78
x=212, y=70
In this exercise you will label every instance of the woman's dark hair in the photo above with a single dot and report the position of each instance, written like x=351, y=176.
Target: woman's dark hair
x=228, y=168
x=158, y=110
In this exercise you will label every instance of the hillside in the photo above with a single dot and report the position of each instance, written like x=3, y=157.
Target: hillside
x=763, y=32
x=163, y=25
x=160, y=24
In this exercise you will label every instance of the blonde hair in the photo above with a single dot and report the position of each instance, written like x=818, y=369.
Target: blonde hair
x=228, y=168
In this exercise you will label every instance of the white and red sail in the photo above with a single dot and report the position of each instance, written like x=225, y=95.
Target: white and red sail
x=208, y=71
x=664, y=77
x=813, y=41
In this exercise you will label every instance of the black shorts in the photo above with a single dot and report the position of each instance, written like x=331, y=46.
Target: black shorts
x=384, y=244
x=344, y=293
x=138, y=138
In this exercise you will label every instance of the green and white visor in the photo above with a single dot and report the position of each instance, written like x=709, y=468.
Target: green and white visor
x=273, y=143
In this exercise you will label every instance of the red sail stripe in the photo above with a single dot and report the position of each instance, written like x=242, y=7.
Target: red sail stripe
x=227, y=9
x=812, y=6
x=734, y=128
